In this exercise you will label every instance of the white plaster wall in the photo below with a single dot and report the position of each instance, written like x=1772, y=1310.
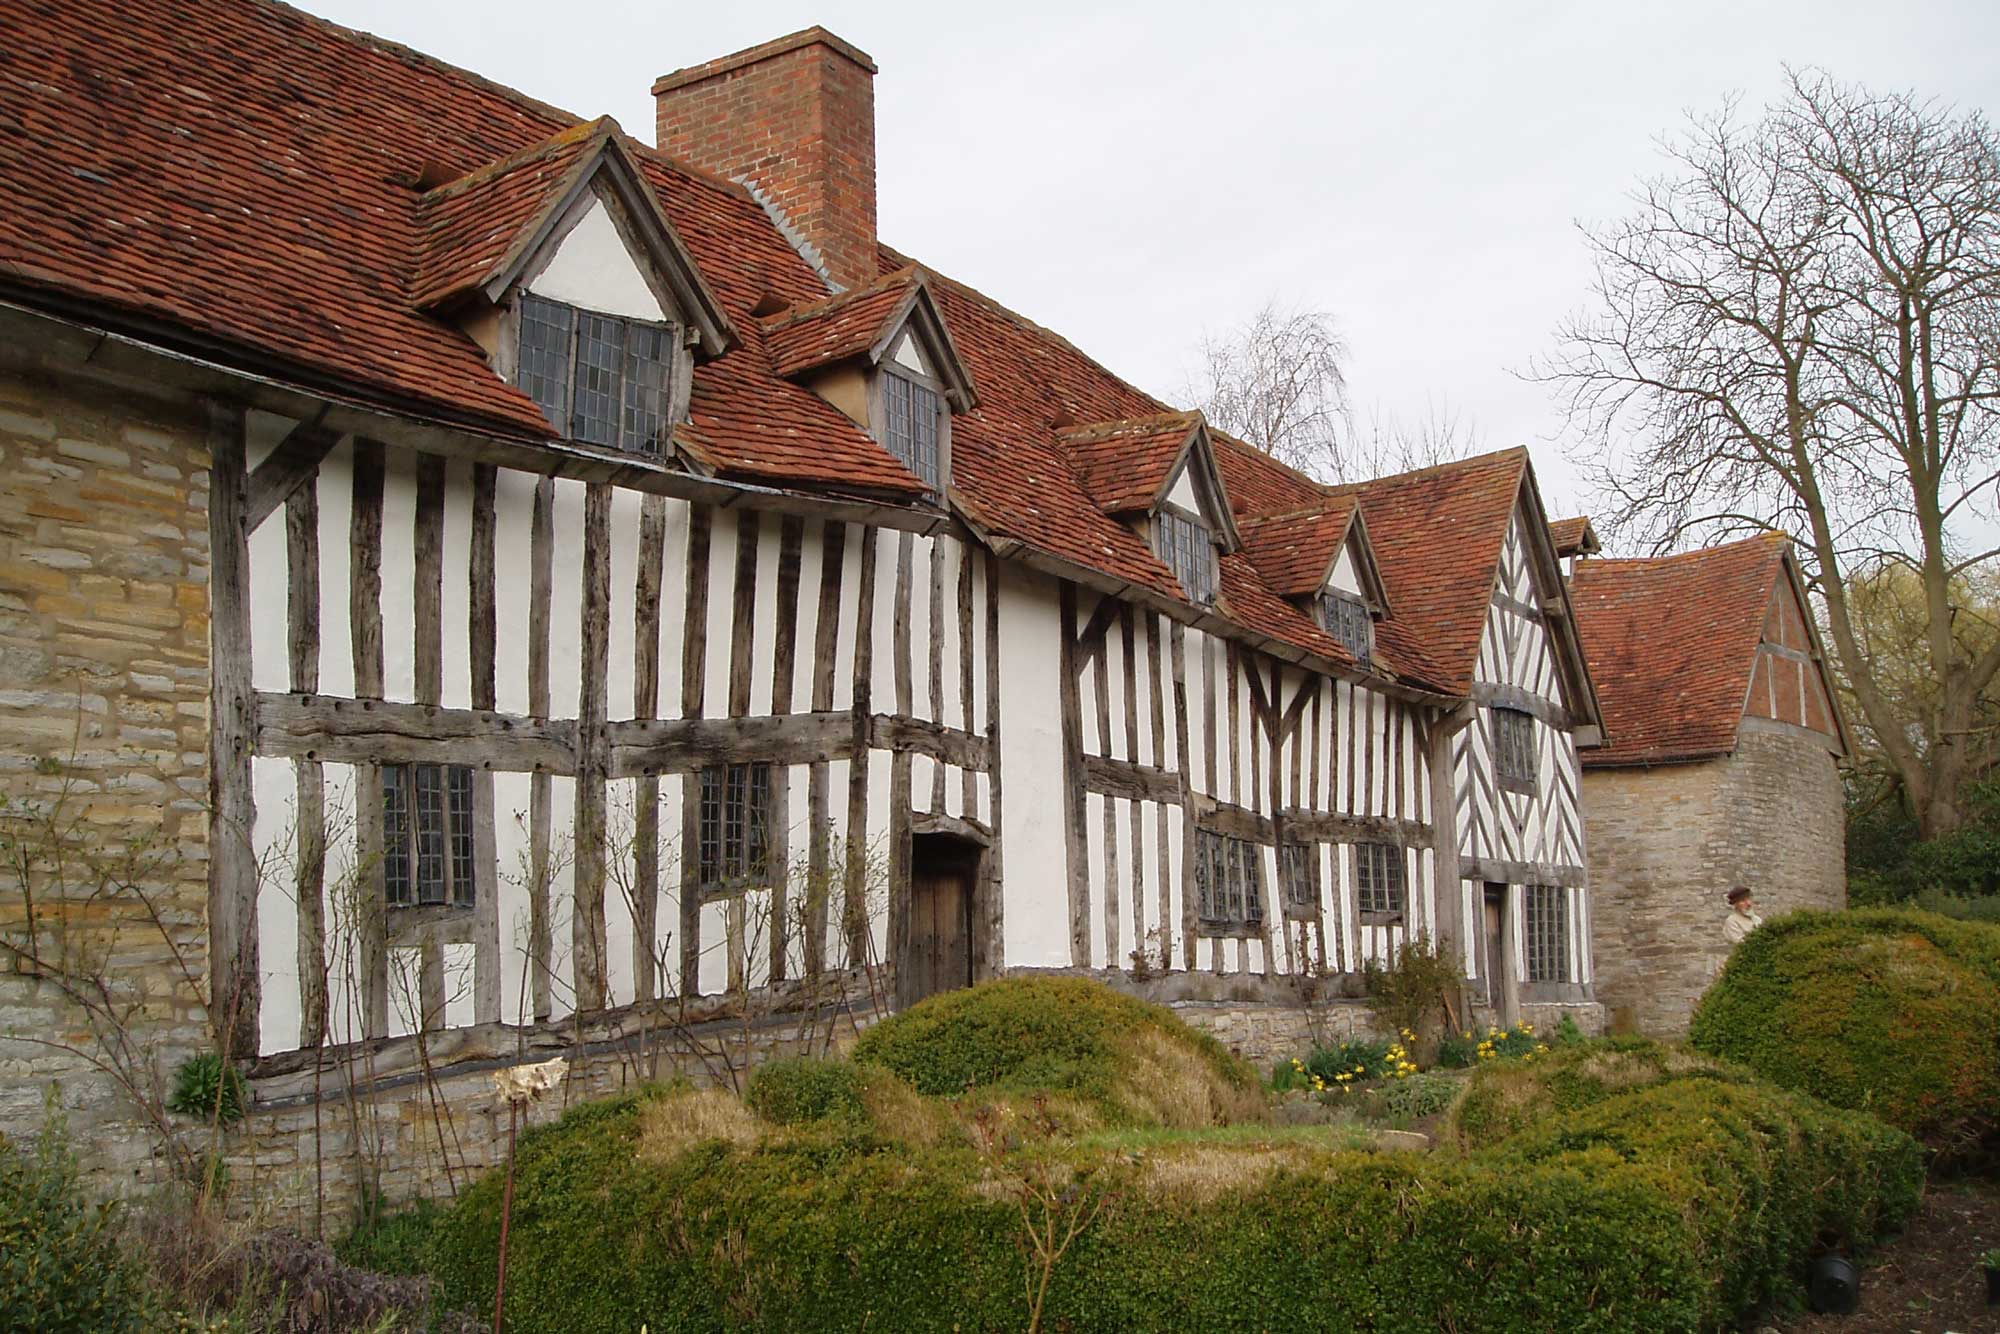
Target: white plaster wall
x=592, y=269
x=1036, y=929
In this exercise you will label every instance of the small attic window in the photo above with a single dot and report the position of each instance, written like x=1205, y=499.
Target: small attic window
x=1347, y=619
x=601, y=379
x=913, y=416
x=1184, y=544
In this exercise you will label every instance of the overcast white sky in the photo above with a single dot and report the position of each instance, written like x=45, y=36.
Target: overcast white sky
x=1132, y=176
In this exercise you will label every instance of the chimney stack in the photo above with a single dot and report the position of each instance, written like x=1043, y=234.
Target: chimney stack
x=795, y=119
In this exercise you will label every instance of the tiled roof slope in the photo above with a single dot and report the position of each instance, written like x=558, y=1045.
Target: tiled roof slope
x=244, y=181
x=1294, y=551
x=467, y=226
x=1437, y=534
x=807, y=337
x=1123, y=465
x=240, y=179
x=1572, y=536
x=1671, y=642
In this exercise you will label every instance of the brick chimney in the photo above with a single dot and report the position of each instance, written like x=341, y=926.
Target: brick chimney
x=795, y=119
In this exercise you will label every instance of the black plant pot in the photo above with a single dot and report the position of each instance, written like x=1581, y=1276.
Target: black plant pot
x=1993, y=1285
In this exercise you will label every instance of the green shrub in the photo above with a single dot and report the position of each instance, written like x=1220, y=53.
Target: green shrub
x=1408, y=995
x=1619, y=1217
x=1419, y=1096
x=1136, y=1062
x=1362, y=1058
x=386, y=1240
x=1507, y=1097
x=206, y=1087
x=1965, y=908
x=61, y=1268
x=1888, y=1011
x=804, y=1088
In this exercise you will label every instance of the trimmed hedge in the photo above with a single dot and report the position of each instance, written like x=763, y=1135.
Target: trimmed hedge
x=1136, y=1063
x=805, y=1088
x=1510, y=1096
x=1889, y=1011
x=1669, y=1208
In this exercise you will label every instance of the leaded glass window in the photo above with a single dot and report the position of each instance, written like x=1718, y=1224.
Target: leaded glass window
x=734, y=825
x=1298, y=870
x=1378, y=878
x=598, y=378
x=1514, y=759
x=1229, y=883
x=1184, y=545
x=1546, y=908
x=427, y=839
x=912, y=413
x=1346, y=618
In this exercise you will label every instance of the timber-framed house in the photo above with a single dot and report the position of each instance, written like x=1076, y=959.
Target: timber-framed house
x=602, y=574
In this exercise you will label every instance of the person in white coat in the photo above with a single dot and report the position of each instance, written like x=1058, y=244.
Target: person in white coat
x=1743, y=918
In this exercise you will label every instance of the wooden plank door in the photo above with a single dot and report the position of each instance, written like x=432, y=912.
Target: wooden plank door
x=1493, y=951
x=937, y=952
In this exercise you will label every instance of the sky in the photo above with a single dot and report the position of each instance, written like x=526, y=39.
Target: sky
x=1137, y=177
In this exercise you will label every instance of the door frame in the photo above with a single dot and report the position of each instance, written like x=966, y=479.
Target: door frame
x=1506, y=1004
x=970, y=844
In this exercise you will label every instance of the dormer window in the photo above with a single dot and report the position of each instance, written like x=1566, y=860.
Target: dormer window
x=1184, y=544
x=601, y=379
x=913, y=423
x=1348, y=620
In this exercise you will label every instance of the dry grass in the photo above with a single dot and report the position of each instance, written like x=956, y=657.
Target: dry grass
x=1203, y=1174
x=671, y=1125
x=1161, y=1083
x=899, y=1112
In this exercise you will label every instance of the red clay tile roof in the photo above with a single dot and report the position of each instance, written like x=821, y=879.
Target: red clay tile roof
x=238, y=179
x=1671, y=642
x=241, y=180
x=1294, y=551
x=849, y=324
x=1573, y=536
x=467, y=227
x=1125, y=464
x=1437, y=534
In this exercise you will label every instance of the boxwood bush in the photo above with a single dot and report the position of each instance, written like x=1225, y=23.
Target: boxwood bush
x=61, y=1267
x=1679, y=1206
x=1137, y=1063
x=1510, y=1096
x=1890, y=1011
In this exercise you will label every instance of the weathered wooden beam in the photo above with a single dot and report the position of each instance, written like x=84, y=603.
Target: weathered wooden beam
x=372, y=731
x=743, y=611
x=302, y=643
x=1107, y=811
x=541, y=796
x=1090, y=641
x=900, y=631
x=947, y=745
x=680, y=745
x=482, y=630
x=1334, y=827
x=935, y=612
x=232, y=857
x=1131, y=781
x=646, y=614
x=991, y=947
x=694, y=689
x=1076, y=842
x=968, y=796
x=284, y=471
x=587, y=879
x=854, y=896
x=819, y=844
x=364, y=633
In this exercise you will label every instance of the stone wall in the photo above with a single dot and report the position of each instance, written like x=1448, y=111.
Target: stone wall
x=1667, y=843
x=103, y=734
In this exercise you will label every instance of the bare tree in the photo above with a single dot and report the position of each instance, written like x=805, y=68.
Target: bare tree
x=1276, y=382
x=1392, y=443
x=1797, y=329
